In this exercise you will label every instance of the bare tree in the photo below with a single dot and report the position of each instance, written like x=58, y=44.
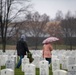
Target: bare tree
x=69, y=29
x=54, y=29
x=35, y=26
x=59, y=16
x=7, y=14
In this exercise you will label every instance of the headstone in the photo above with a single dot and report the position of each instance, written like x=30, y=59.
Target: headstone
x=71, y=60
x=44, y=68
x=4, y=58
x=29, y=69
x=10, y=64
x=71, y=72
x=1, y=52
x=64, y=62
x=25, y=60
x=7, y=72
x=36, y=61
x=59, y=72
x=13, y=58
x=55, y=64
x=72, y=68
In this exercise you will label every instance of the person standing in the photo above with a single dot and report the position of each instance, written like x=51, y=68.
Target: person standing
x=22, y=48
x=47, y=48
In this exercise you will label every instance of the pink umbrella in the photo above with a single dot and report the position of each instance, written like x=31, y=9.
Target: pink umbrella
x=50, y=39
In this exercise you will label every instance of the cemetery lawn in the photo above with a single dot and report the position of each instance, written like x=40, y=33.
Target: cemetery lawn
x=13, y=47
x=19, y=72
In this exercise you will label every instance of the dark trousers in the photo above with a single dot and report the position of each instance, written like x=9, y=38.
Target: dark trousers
x=20, y=61
x=49, y=60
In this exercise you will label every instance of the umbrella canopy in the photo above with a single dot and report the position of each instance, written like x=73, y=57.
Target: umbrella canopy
x=50, y=39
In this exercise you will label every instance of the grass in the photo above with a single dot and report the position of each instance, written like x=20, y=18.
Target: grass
x=55, y=46
x=19, y=72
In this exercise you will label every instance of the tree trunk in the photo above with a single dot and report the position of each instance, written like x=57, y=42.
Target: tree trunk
x=3, y=44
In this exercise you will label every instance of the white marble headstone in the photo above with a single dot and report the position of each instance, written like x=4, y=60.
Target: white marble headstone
x=55, y=64
x=64, y=62
x=36, y=61
x=44, y=68
x=59, y=72
x=71, y=60
x=13, y=58
x=25, y=61
x=29, y=69
x=7, y=72
x=71, y=72
x=10, y=64
x=4, y=58
x=71, y=67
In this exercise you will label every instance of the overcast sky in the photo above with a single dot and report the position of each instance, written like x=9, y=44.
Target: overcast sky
x=50, y=7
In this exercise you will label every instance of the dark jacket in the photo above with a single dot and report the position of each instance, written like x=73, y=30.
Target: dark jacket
x=22, y=47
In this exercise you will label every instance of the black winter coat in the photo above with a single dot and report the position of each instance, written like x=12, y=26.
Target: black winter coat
x=22, y=47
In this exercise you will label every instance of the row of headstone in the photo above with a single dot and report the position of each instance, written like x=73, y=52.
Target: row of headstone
x=56, y=66
x=8, y=52
x=67, y=60
x=25, y=61
x=43, y=66
x=29, y=69
x=9, y=61
x=5, y=58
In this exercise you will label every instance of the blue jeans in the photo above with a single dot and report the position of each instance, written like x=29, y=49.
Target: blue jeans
x=20, y=61
x=49, y=60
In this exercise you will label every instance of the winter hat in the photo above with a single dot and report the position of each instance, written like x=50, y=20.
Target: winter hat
x=23, y=37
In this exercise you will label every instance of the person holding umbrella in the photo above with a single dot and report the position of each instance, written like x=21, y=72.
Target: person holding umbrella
x=47, y=48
